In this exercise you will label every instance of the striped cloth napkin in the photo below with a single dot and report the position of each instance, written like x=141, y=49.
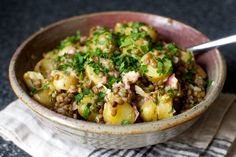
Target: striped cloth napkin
x=212, y=135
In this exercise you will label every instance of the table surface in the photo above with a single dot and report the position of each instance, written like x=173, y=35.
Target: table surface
x=19, y=19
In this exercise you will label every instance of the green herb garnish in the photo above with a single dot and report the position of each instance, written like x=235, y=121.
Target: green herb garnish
x=145, y=48
x=160, y=69
x=98, y=52
x=79, y=61
x=60, y=58
x=45, y=87
x=79, y=97
x=87, y=111
x=159, y=46
x=143, y=69
x=63, y=67
x=69, y=40
x=164, y=66
x=172, y=92
x=86, y=91
x=126, y=63
x=172, y=48
x=209, y=83
x=98, y=67
x=101, y=96
x=190, y=59
x=124, y=122
x=112, y=80
x=34, y=91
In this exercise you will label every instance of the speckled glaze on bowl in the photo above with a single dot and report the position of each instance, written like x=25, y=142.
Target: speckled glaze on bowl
x=115, y=136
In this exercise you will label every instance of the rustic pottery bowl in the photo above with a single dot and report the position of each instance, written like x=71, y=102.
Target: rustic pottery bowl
x=115, y=136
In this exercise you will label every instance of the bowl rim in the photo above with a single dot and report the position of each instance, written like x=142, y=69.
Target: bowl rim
x=137, y=128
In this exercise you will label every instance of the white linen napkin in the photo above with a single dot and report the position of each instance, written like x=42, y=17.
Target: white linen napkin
x=212, y=135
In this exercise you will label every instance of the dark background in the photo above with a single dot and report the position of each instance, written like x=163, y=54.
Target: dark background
x=20, y=18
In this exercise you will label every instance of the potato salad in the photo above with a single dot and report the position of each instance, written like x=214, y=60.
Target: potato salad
x=123, y=75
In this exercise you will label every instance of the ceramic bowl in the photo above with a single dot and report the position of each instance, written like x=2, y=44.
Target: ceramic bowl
x=115, y=136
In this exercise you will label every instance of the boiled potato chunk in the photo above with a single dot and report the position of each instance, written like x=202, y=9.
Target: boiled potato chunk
x=148, y=111
x=135, y=27
x=152, y=68
x=44, y=96
x=120, y=114
x=123, y=29
x=165, y=107
x=63, y=81
x=186, y=57
x=96, y=78
x=153, y=76
x=152, y=111
x=139, y=46
x=52, y=54
x=33, y=79
x=101, y=38
x=45, y=66
x=87, y=108
x=151, y=32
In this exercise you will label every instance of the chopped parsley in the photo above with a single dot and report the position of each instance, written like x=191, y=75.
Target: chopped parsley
x=86, y=92
x=164, y=66
x=145, y=48
x=160, y=69
x=98, y=67
x=80, y=96
x=124, y=122
x=44, y=87
x=112, y=80
x=69, y=40
x=172, y=92
x=101, y=96
x=143, y=69
x=98, y=52
x=172, y=48
x=126, y=63
x=137, y=24
x=34, y=91
x=87, y=111
x=190, y=59
x=79, y=61
x=63, y=67
x=60, y=58
x=133, y=43
x=159, y=46
x=126, y=41
x=209, y=83
x=136, y=36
